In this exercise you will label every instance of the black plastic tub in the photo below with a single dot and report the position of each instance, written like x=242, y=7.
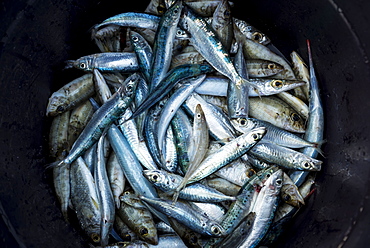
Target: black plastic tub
x=37, y=36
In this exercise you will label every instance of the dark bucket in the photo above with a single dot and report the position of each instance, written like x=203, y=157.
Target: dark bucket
x=39, y=35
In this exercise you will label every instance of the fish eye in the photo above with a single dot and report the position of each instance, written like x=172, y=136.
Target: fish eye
x=155, y=177
x=279, y=181
x=95, y=237
x=83, y=65
x=271, y=66
x=251, y=172
x=135, y=38
x=255, y=136
x=257, y=36
x=306, y=165
x=215, y=230
x=143, y=231
x=193, y=240
x=60, y=109
x=242, y=121
x=129, y=87
x=295, y=117
x=286, y=197
x=277, y=83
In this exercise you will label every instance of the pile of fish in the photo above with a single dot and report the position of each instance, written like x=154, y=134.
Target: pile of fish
x=188, y=129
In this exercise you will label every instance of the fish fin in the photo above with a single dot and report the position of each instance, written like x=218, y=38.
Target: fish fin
x=318, y=145
x=175, y=196
x=96, y=203
x=253, y=86
x=65, y=214
x=69, y=64
x=118, y=203
x=54, y=164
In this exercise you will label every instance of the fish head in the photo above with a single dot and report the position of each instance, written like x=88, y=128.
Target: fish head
x=294, y=122
x=274, y=183
x=311, y=164
x=244, y=125
x=130, y=198
x=259, y=37
x=148, y=234
x=172, y=15
x=93, y=232
x=137, y=39
x=255, y=135
x=216, y=229
x=57, y=104
x=128, y=88
x=84, y=63
x=290, y=195
x=274, y=67
x=181, y=34
x=156, y=177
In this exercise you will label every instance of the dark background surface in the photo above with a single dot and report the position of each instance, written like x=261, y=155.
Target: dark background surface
x=37, y=36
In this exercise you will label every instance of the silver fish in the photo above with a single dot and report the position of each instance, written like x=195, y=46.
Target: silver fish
x=104, y=193
x=70, y=95
x=227, y=153
x=265, y=206
x=85, y=200
x=186, y=215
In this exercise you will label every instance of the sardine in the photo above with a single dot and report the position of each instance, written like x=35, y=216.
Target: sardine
x=265, y=206
x=104, y=193
x=116, y=178
x=85, y=200
x=101, y=120
x=163, y=44
x=140, y=219
x=227, y=153
x=106, y=62
x=169, y=182
x=186, y=215
x=70, y=95
x=277, y=112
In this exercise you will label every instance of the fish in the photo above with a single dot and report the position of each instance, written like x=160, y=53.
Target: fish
x=277, y=112
x=139, y=219
x=315, y=122
x=169, y=182
x=163, y=44
x=227, y=153
x=206, y=42
x=188, y=118
x=264, y=207
x=104, y=193
x=106, y=62
x=85, y=200
x=116, y=178
x=186, y=215
x=70, y=95
x=101, y=120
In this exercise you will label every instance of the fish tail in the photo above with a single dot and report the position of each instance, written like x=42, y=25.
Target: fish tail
x=317, y=146
x=55, y=164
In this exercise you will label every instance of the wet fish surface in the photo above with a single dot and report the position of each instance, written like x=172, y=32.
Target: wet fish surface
x=188, y=129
